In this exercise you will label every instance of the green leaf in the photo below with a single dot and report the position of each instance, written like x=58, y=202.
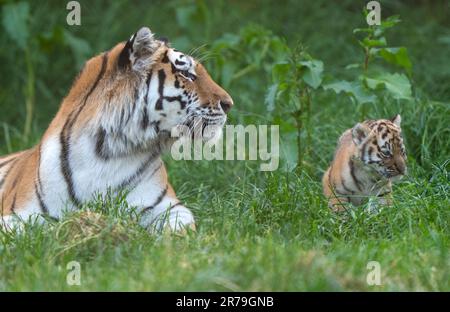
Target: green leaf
x=353, y=89
x=313, y=73
x=280, y=72
x=365, y=30
x=396, y=56
x=380, y=42
x=353, y=66
x=390, y=22
x=15, y=22
x=398, y=85
x=288, y=152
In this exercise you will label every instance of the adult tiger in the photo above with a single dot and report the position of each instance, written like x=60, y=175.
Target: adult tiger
x=368, y=158
x=109, y=133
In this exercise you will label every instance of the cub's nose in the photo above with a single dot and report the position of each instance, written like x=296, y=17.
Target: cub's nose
x=400, y=166
x=226, y=104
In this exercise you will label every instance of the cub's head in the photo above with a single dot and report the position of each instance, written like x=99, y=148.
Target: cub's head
x=380, y=145
x=147, y=89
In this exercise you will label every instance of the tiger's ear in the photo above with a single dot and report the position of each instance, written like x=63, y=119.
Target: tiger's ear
x=396, y=120
x=359, y=133
x=139, y=47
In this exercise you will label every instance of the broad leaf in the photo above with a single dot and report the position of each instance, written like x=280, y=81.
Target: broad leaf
x=353, y=89
x=280, y=72
x=379, y=42
x=396, y=56
x=398, y=85
x=313, y=73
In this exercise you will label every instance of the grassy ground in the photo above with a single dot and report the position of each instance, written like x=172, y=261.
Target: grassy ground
x=256, y=230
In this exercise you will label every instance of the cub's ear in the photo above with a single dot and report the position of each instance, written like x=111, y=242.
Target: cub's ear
x=359, y=133
x=396, y=120
x=138, y=48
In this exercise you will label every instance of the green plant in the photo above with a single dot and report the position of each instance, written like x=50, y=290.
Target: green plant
x=373, y=83
x=16, y=20
x=289, y=99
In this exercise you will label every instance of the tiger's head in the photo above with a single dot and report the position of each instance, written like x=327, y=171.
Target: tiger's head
x=380, y=145
x=144, y=89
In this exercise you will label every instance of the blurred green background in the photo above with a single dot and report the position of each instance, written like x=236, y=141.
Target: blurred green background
x=57, y=51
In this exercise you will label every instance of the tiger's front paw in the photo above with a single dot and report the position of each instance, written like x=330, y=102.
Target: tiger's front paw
x=178, y=219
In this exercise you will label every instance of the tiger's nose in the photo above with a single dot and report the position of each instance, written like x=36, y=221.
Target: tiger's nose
x=226, y=105
x=401, y=166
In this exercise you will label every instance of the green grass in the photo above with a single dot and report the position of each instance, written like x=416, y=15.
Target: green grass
x=263, y=232
x=256, y=230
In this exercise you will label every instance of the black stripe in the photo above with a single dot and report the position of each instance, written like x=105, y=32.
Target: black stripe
x=13, y=205
x=64, y=159
x=3, y=208
x=124, y=57
x=66, y=134
x=156, y=169
x=161, y=80
x=176, y=205
x=42, y=205
x=165, y=58
x=135, y=178
x=39, y=181
x=176, y=84
x=38, y=186
x=100, y=145
x=352, y=173
x=155, y=124
x=122, y=116
x=6, y=162
x=145, y=120
x=176, y=98
x=149, y=79
x=2, y=181
x=159, y=104
x=346, y=189
x=157, y=201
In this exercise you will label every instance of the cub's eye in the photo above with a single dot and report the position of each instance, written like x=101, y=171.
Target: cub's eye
x=187, y=75
x=386, y=154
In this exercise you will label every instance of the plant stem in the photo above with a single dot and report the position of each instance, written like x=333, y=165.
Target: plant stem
x=366, y=58
x=29, y=95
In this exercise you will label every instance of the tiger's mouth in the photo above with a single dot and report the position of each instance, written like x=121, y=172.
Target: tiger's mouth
x=205, y=127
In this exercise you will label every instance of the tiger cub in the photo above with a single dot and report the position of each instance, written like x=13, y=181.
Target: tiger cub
x=368, y=158
x=109, y=134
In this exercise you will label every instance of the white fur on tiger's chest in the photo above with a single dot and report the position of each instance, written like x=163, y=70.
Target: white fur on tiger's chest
x=90, y=175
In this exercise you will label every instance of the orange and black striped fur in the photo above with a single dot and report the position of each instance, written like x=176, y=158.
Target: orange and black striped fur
x=109, y=134
x=368, y=158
